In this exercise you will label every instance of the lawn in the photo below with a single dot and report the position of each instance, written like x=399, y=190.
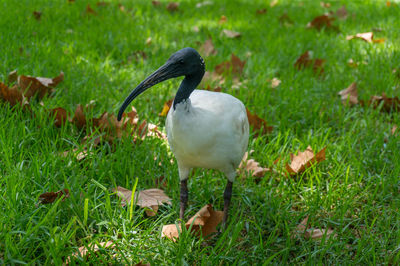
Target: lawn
x=354, y=192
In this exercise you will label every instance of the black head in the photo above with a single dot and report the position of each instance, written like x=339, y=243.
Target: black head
x=186, y=62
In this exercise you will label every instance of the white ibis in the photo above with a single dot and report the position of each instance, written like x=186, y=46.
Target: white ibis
x=204, y=129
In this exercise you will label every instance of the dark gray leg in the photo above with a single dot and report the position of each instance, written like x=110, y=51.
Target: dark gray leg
x=184, y=198
x=227, y=201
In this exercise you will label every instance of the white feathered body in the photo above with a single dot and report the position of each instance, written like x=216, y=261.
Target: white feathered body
x=208, y=130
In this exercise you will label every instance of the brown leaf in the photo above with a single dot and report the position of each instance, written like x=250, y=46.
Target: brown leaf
x=12, y=95
x=90, y=10
x=258, y=123
x=172, y=7
x=318, y=233
x=323, y=21
x=231, y=34
x=252, y=167
x=60, y=115
x=349, y=95
x=261, y=11
x=366, y=36
x=394, y=130
x=83, y=251
x=388, y=104
x=156, y=3
x=325, y=5
x=148, y=41
x=274, y=82
x=207, y=48
x=222, y=20
x=302, y=161
x=149, y=198
x=204, y=222
x=285, y=20
x=12, y=77
x=102, y=4
x=50, y=197
x=235, y=66
x=79, y=118
x=31, y=86
x=342, y=12
x=166, y=107
x=37, y=15
x=300, y=228
x=305, y=61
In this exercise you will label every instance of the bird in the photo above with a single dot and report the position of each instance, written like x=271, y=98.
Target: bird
x=205, y=129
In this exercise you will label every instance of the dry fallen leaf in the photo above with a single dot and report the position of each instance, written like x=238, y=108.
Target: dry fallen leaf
x=37, y=15
x=274, y=82
x=31, y=86
x=250, y=166
x=342, y=12
x=156, y=3
x=50, y=197
x=172, y=7
x=300, y=228
x=234, y=66
x=12, y=95
x=388, y=104
x=349, y=95
x=305, y=61
x=207, y=48
x=222, y=20
x=204, y=222
x=84, y=251
x=90, y=10
x=394, y=130
x=323, y=21
x=60, y=116
x=149, y=198
x=166, y=107
x=325, y=5
x=303, y=231
x=258, y=123
x=261, y=11
x=285, y=20
x=273, y=3
x=231, y=34
x=366, y=36
x=12, y=77
x=302, y=161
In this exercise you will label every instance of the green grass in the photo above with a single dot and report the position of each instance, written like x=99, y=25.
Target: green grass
x=355, y=191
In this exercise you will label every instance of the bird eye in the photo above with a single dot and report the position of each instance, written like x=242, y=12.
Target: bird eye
x=181, y=62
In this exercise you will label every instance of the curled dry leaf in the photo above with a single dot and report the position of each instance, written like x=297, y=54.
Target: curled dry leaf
x=222, y=20
x=84, y=251
x=305, y=61
x=90, y=10
x=172, y=7
x=207, y=48
x=302, y=230
x=234, y=66
x=285, y=20
x=37, y=15
x=149, y=198
x=250, y=166
x=259, y=124
x=12, y=77
x=31, y=86
x=166, y=107
x=366, y=36
x=302, y=161
x=204, y=222
x=50, y=197
x=349, y=95
x=323, y=21
x=60, y=116
x=156, y=3
x=342, y=13
x=274, y=82
x=388, y=104
x=231, y=34
x=261, y=11
x=12, y=95
x=79, y=118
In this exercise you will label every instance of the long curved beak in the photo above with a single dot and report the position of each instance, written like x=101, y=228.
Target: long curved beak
x=163, y=73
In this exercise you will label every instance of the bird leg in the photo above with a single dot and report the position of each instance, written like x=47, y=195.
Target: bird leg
x=227, y=201
x=184, y=198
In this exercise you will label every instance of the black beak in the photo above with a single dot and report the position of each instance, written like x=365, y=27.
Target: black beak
x=163, y=73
